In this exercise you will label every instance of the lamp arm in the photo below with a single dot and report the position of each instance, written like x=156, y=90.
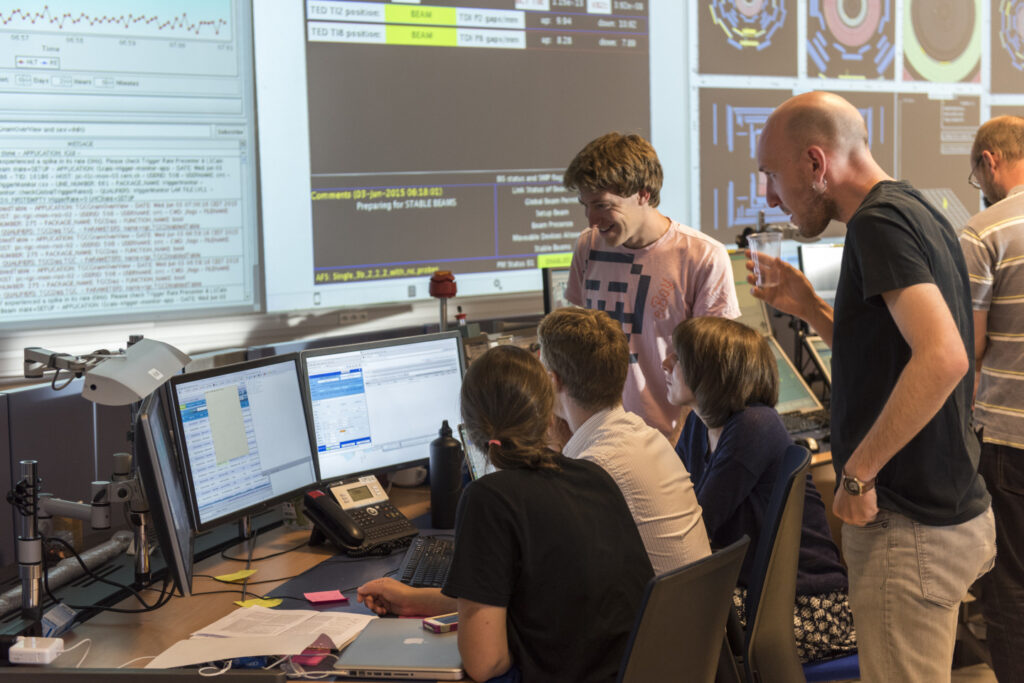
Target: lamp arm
x=39, y=360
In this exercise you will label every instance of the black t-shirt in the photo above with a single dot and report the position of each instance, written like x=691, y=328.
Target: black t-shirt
x=561, y=552
x=895, y=240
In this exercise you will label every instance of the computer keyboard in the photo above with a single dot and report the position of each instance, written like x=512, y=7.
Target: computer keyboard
x=426, y=562
x=798, y=423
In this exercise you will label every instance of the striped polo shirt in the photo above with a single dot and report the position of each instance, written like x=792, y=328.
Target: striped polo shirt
x=993, y=244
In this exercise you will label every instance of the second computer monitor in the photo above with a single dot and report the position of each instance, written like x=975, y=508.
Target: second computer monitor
x=162, y=483
x=377, y=406
x=244, y=438
x=555, y=281
x=821, y=264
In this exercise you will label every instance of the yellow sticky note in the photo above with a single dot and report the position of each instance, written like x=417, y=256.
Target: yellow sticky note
x=261, y=602
x=237, y=577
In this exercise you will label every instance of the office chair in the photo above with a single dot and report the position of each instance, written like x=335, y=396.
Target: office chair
x=768, y=647
x=681, y=623
x=769, y=652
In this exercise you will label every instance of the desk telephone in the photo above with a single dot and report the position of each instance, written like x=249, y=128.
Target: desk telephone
x=358, y=518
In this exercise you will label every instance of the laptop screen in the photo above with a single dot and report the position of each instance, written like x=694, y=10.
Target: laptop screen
x=476, y=459
x=555, y=281
x=822, y=355
x=794, y=394
x=752, y=312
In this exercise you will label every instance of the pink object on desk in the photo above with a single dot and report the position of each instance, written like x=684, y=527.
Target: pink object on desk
x=321, y=597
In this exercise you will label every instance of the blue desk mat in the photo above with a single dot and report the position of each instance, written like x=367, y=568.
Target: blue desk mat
x=346, y=574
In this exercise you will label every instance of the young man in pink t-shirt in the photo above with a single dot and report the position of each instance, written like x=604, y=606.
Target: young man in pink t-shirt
x=646, y=270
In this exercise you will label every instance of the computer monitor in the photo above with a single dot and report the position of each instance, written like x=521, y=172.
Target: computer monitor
x=377, y=406
x=794, y=394
x=752, y=313
x=243, y=438
x=820, y=263
x=161, y=480
x=555, y=281
x=821, y=354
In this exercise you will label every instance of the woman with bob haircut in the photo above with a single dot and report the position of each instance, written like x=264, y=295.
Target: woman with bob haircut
x=549, y=569
x=732, y=444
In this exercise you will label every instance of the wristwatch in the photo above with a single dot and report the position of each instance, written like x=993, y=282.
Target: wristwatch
x=856, y=487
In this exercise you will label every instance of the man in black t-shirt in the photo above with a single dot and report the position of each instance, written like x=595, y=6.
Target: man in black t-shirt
x=918, y=526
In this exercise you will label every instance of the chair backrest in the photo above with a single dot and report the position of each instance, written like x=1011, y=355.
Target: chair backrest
x=679, y=629
x=770, y=646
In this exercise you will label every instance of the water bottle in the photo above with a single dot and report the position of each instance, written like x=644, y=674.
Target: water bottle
x=445, y=478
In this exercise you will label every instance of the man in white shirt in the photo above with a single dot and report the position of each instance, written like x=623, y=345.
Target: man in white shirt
x=587, y=355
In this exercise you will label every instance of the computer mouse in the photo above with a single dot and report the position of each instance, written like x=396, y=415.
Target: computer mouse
x=808, y=442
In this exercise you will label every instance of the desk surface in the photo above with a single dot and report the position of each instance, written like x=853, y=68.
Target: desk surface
x=117, y=639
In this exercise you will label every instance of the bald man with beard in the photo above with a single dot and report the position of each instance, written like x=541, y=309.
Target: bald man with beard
x=918, y=527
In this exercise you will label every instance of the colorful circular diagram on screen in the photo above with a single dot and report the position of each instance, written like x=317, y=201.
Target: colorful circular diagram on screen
x=748, y=24
x=850, y=38
x=1011, y=31
x=942, y=39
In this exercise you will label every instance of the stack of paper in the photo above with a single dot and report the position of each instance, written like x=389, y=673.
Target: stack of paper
x=254, y=631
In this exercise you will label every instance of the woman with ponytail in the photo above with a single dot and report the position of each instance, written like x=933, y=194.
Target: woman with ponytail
x=549, y=568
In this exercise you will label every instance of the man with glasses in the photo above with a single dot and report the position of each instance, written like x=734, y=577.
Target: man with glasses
x=993, y=244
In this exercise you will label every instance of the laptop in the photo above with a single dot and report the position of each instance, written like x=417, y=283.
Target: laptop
x=821, y=354
x=401, y=649
x=476, y=460
x=801, y=411
x=555, y=280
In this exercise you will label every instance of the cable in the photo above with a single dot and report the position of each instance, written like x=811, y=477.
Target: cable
x=299, y=672
x=210, y=671
x=214, y=592
x=53, y=382
x=265, y=557
x=163, y=599
x=132, y=661
x=248, y=564
x=88, y=646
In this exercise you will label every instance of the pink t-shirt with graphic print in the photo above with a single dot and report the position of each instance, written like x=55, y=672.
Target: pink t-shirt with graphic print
x=683, y=274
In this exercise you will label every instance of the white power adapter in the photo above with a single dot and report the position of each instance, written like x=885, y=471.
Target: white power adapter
x=35, y=650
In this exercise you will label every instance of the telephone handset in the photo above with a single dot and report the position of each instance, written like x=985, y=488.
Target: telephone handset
x=358, y=518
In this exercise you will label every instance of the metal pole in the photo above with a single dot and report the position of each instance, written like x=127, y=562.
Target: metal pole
x=30, y=551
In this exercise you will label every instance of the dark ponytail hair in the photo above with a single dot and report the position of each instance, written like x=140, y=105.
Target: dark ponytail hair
x=507, y=398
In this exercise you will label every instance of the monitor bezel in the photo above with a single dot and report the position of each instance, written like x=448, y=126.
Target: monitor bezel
x=547, y=281
x=156, y=481
x=362, y=346
x=255, y=508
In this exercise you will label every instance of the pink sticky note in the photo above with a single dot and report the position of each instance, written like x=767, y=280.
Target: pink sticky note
x=325, y=596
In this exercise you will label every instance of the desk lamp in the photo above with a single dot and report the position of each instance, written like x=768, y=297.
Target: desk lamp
x=121, y=378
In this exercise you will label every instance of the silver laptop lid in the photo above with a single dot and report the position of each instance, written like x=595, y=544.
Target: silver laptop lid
x=402, y=648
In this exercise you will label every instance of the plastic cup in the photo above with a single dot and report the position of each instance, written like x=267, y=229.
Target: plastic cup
x=765, y=249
